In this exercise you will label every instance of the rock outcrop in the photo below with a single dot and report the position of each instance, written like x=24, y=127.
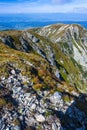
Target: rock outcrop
x=23, y=107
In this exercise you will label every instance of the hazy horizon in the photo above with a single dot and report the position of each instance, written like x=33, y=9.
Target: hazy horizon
x=24, y=21
x=48, y=16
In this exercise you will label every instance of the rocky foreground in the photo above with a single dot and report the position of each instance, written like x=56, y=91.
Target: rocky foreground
x=27, y=109
x=43, y=78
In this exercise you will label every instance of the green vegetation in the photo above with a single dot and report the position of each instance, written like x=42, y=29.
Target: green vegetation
x=66, y=98
x=33, y=65
x=2, y=102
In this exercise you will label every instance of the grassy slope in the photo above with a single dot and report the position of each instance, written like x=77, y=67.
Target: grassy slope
x=69, y=65
x=69, y=69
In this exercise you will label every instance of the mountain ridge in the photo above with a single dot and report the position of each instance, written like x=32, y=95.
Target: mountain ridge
x=59, y=44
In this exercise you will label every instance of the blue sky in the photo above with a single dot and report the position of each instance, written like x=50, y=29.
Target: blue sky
x=43, y=6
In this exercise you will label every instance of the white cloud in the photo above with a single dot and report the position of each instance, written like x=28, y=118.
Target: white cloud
x=80, y=10
x=61, y=1
x=44, y=6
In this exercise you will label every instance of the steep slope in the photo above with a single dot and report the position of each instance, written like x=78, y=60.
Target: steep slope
x=68, y=47
x=63, y=46
x=73, y=38
x=29, y=64
x=43, y=73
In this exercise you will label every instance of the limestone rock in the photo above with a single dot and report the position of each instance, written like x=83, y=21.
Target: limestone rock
x=40, y=118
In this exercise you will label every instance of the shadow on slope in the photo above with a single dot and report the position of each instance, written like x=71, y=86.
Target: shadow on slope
x=75, y=117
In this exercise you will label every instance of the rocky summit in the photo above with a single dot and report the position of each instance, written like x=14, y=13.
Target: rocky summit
x=43, y=78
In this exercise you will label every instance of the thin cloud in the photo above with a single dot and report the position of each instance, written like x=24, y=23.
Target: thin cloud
x=61, y=1
x=80, y=9
x=37, y=6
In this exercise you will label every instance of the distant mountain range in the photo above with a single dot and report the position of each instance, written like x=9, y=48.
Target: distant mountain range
x=24, y=21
